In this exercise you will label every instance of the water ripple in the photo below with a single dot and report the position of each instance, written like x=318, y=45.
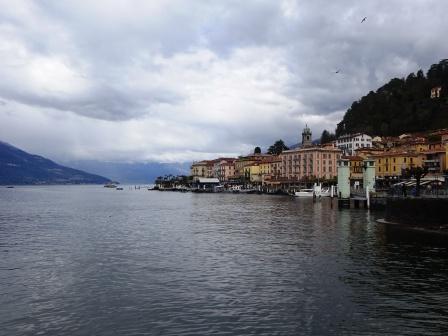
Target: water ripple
x=91, y=261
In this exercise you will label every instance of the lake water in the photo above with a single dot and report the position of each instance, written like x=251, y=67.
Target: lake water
x=86, y=260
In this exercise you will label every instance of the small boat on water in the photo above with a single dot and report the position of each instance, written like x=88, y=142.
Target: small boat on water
x=110, y=185
x=325, y=192
x=316, y=191
x=119, y=188
x=304, y=193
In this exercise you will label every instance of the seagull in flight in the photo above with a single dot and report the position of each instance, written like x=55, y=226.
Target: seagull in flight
x=365, y=18
x=337, y=71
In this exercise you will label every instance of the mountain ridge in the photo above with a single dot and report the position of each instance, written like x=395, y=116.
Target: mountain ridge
x=18, y=167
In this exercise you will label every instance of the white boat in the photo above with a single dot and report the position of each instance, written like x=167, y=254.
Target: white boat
x=317, y=191
x=304, y=193
x=325, y=192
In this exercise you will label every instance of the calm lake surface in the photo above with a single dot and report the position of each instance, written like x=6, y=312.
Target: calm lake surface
x=86, y=260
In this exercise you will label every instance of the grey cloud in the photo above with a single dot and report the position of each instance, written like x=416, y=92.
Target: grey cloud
x=106, y=103
x=137, y=58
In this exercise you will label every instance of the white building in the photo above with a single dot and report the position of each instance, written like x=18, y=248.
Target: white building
x=349, y=143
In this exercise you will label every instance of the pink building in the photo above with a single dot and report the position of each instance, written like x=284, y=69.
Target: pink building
x=224, y=169
x=310, y=161
x=318, y=162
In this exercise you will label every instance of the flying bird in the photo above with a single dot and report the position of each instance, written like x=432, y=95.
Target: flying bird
x=365, y=18
x=337, y=71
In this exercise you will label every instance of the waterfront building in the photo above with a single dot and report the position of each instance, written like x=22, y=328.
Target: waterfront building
x=356, y=164
x=368, y=152
x=203, y=168
x=252, y=173
x=270, y=169
x=393, y=163
x=198, y=169
x=311, y=162
x=436, y=158
x=224, y=169
x=244, y=161
x=207, y=183
x=349, y=143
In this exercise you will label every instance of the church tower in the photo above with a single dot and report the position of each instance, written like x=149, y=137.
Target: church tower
x=306, y=137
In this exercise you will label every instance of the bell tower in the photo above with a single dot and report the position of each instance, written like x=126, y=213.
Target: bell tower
x=306, y=137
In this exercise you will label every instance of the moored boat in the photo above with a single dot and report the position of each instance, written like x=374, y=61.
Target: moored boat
x=304, y=193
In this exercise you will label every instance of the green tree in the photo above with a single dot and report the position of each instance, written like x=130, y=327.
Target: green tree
x=278, y=147
x=418, y=173
x=327, y=137
x=257, y=150
x=401, y=105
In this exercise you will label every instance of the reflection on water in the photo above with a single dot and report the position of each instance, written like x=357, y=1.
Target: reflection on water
x=91, y=261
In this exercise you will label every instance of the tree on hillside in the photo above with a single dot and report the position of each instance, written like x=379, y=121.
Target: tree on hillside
x=327, y=137
x=402, y=105
x=278, y=147
x=257, y=150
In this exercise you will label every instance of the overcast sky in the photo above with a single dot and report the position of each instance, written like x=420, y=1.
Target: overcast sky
x=182, y=80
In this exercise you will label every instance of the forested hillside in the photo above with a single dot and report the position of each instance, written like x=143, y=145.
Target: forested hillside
x=402, y=105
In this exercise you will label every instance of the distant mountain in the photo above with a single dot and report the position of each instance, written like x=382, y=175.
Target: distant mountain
x=417, y=103
x=133, y=173
x=19, y=167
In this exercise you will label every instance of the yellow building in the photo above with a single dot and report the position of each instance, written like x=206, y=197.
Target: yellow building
x=202, y=169
x=436, y=159
x=199, y=169
x=390, y=164
x=270, y=169
x=356, y=164
x=252, y=173
x=244, y=161
x=417, y=145
x=224, y=169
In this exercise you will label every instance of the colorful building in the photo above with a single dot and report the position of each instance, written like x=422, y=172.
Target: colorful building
x=224, y=169
x=252, y=173
x=244, y=161
x=312, y=162
x=356, y=164
x=349, y=143
x=393, y=163
x=199, y=169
